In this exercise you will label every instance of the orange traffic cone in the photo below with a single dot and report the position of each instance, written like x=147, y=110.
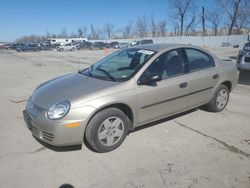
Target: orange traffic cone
x=106, y=51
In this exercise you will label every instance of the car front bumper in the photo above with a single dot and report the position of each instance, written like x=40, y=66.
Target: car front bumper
x=53, y=132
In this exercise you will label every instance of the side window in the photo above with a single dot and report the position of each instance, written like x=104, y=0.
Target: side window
x=174, y=64
x=166, y=65
x=198, y=60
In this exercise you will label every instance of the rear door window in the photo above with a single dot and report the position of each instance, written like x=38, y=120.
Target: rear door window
x=199, y=60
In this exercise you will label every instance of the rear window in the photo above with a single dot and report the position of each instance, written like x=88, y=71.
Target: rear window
x=198, y=60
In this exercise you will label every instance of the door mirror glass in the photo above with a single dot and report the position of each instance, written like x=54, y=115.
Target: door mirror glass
x=150, y=80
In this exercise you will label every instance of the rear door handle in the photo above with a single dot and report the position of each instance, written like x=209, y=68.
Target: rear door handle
x=183, y=85
x=215, y=76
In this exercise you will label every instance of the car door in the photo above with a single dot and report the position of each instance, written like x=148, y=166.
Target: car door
x=165, y=97
x=203, y=76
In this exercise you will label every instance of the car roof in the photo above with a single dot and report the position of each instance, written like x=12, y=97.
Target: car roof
x=162, y=46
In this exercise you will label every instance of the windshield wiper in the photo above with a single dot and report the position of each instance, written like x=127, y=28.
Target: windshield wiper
x=107, y=73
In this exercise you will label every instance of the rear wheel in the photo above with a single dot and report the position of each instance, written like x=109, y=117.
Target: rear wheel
x=107, y=130
x=219, y=100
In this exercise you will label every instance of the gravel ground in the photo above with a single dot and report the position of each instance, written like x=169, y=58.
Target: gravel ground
x=194, y=149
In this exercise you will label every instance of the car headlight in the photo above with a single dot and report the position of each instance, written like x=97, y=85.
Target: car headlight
x=59, y=110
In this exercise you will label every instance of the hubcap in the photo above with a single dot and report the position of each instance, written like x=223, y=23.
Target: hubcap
x=110, y=131
x=221, y=99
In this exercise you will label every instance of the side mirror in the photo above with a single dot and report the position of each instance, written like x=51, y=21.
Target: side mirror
x=151, y=80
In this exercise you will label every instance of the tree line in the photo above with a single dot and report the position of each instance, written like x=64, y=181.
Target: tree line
x=186, y=19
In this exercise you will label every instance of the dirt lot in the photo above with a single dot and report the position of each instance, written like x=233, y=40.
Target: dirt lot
x=196, y=149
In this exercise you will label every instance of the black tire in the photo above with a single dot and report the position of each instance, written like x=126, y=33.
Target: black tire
x=97, y=123
x=213, y=105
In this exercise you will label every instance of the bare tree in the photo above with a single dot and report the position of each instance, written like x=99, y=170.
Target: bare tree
x=64, y=33
x=141, y=26
x=80, y=32
x=214, y=17
x=180, y=9
x=48, y=34
x=243, y=20
x=176, y=29
x=234, y=9
x=162, y=26
x=84, y=29
x=30, y=38
x=73, y=35
x=153, y=26
x=94, y=33
x=191, y=26
x=108, y=29
x=127, y=31
x=203, y=21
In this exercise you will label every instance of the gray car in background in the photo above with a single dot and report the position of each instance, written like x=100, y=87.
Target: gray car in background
x=126, y=89
x=243, y=59
x=66, y=47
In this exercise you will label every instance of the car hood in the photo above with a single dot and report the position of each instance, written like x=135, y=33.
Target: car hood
x=71, y=87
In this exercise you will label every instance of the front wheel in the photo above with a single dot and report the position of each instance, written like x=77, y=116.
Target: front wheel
x=219, y=100
x=107, y=130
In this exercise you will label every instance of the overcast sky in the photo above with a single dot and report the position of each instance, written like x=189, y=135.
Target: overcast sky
x=25, y=17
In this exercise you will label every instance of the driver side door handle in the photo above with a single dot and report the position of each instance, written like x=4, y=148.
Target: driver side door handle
x=183, y=85
x=215, y=76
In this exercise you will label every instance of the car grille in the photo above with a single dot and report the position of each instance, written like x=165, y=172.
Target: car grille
x=48, y=136
x=42, y=134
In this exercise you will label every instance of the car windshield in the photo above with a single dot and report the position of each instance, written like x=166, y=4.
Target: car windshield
x=119, y=66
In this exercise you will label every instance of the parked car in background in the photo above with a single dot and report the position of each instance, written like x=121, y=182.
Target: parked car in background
x=13, y=46
x=55, y=46
x=123, y=45
x=83, y=45
x=87, y=45
x=46, y=46
x=114, y=44
x=145, y=41
x=99, y=45
x=126, y=89
x=49, y=46
x=3, y=46
x=132, y=43
x=27, y=47
x=243, y=59
x=66, y=47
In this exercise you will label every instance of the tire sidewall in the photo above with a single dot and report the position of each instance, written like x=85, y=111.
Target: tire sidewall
x=214, y=101
x=94, y=125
